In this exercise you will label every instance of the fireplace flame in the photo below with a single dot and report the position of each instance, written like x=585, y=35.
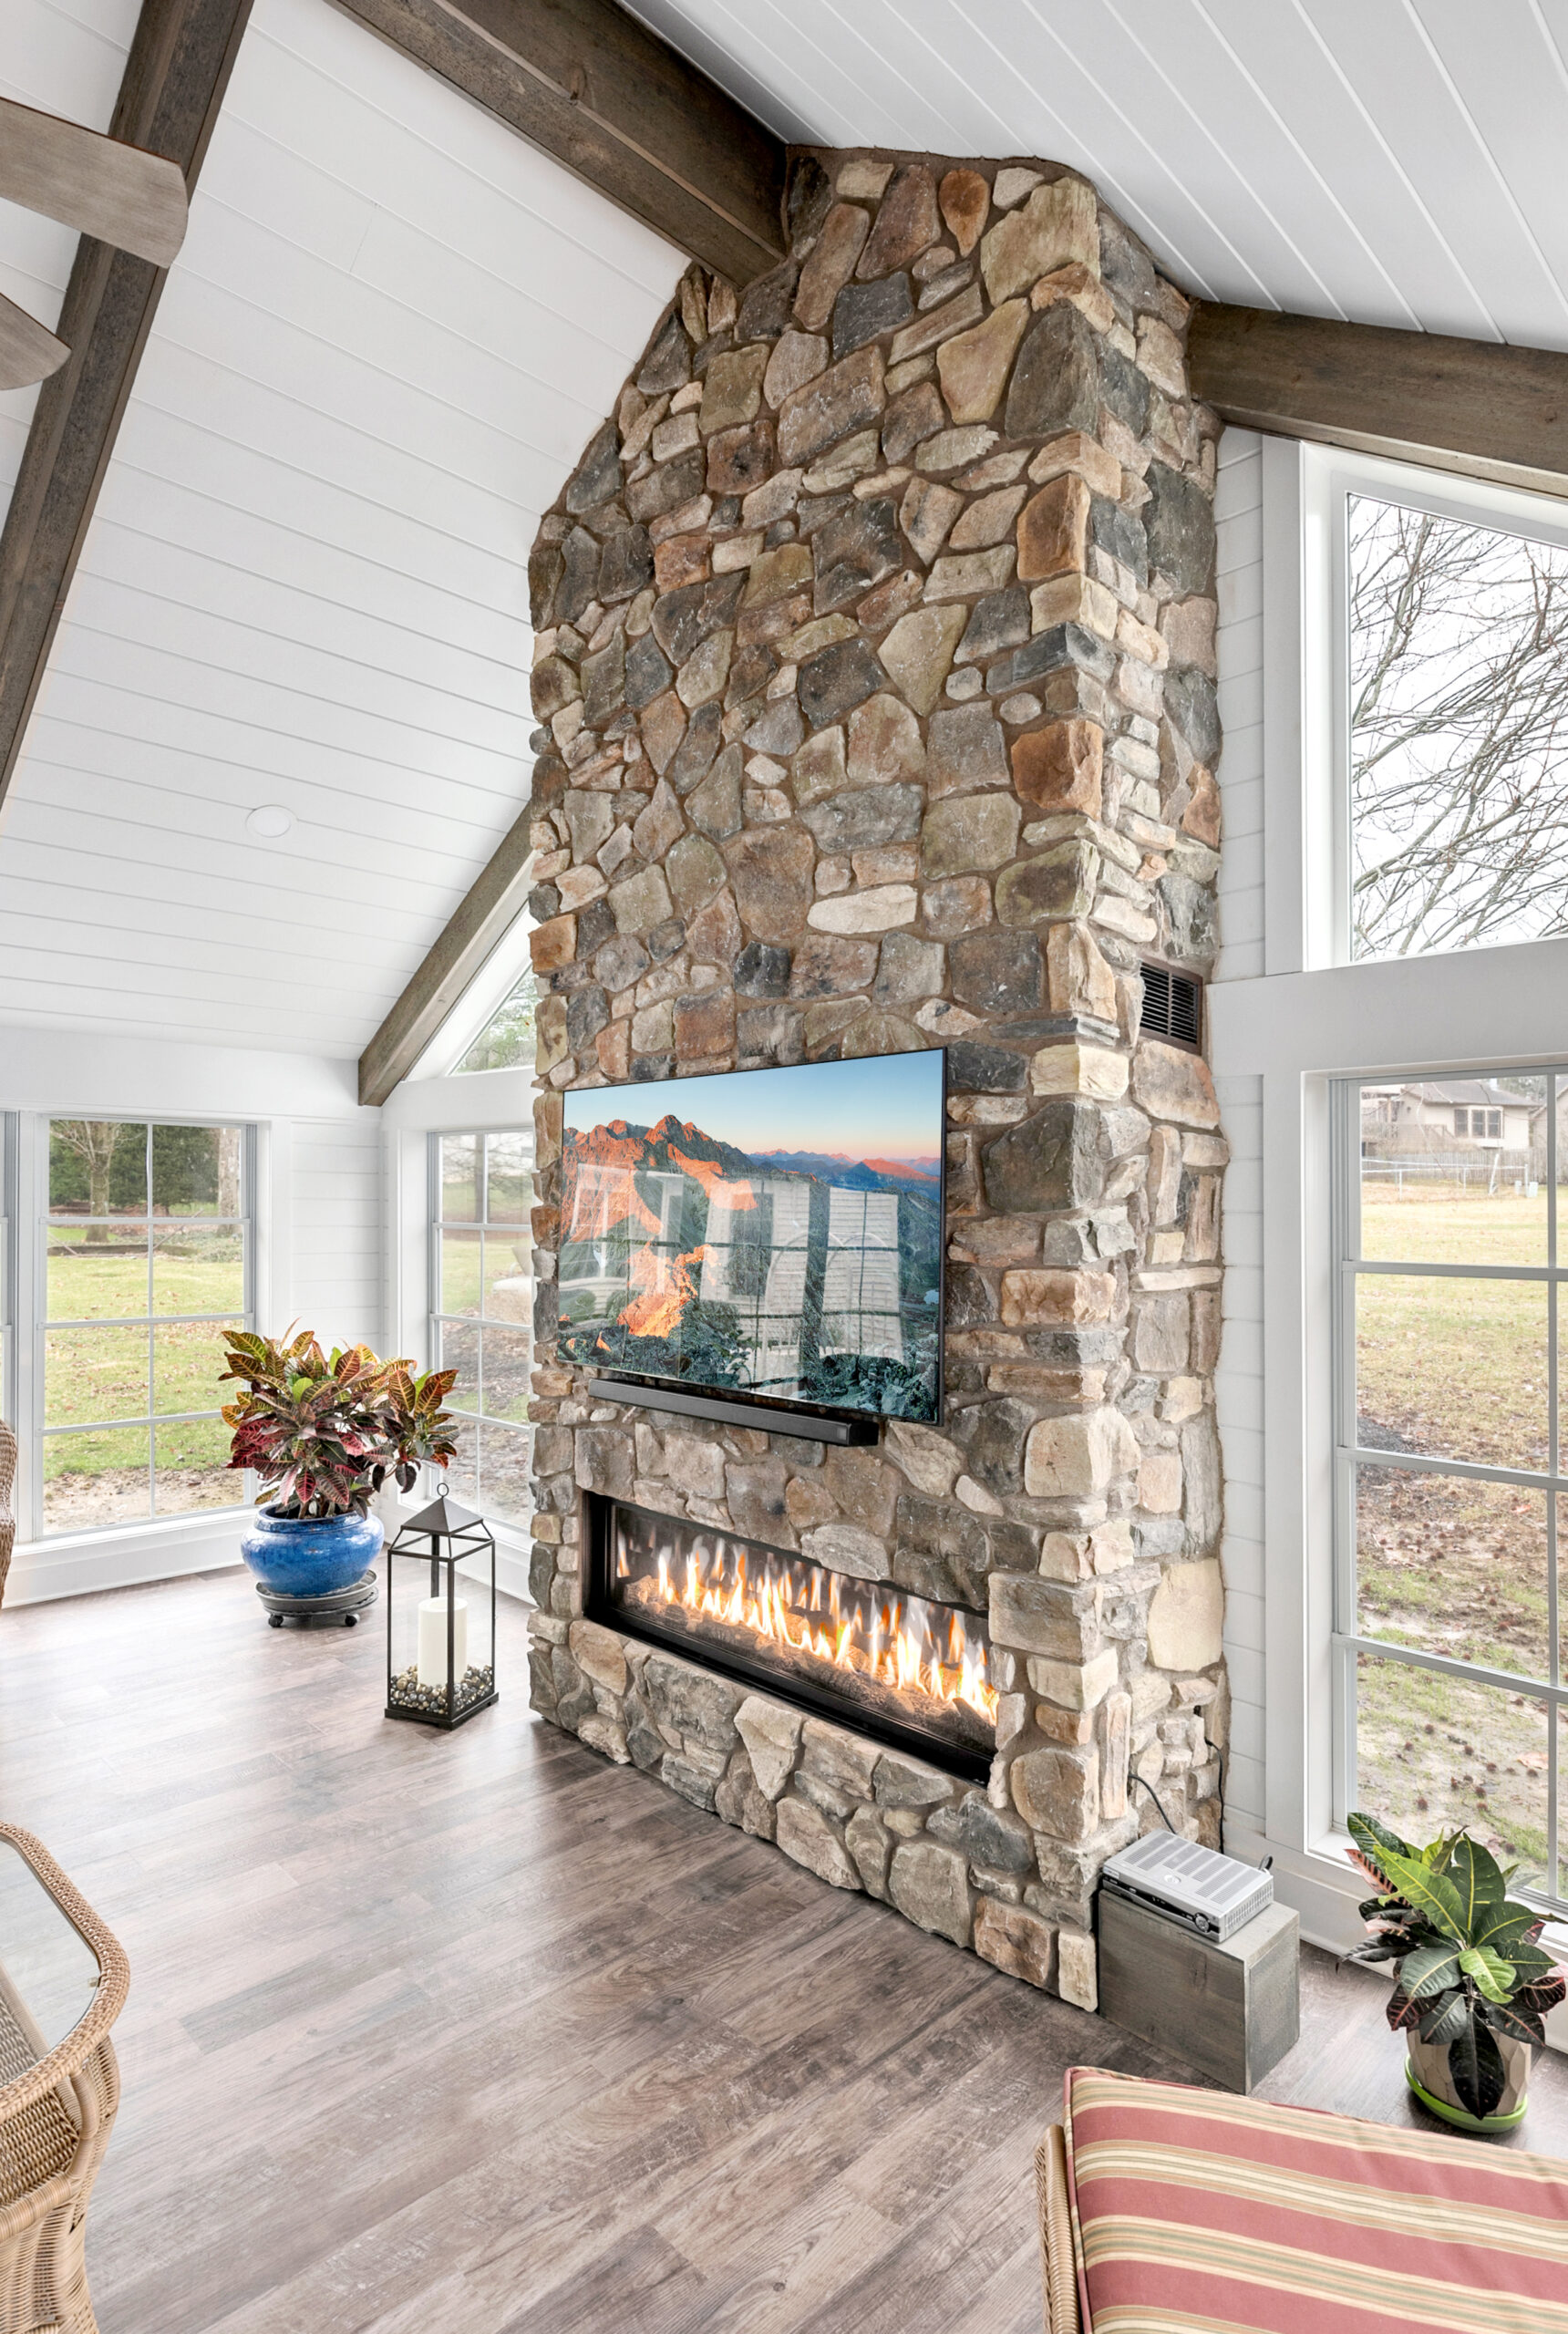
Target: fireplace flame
x=665, y=1288
x=894, y=1649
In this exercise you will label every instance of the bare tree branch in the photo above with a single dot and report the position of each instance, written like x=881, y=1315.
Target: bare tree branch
x=1459, y=642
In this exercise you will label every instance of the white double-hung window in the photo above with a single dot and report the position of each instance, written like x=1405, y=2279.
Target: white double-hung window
x=1450, y=1484
x=481, y=1286
x=130, y=1249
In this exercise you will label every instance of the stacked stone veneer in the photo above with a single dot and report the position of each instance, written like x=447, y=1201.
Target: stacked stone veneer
x=876, y=660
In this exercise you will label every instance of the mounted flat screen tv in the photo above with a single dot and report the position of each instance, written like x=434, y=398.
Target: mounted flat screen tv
x=774, y=1235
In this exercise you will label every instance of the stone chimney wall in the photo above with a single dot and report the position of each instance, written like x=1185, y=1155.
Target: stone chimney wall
x=875, y=662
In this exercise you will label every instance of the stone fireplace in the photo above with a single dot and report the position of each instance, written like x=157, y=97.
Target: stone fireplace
x=875, y=670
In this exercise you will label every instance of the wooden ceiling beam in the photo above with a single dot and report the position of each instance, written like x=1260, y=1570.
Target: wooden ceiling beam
x=1479, y=407
x=594, y=89
x=491, y=907
x=173, y=86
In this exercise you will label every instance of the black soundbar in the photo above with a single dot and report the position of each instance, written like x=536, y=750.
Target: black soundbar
x=719, y=1413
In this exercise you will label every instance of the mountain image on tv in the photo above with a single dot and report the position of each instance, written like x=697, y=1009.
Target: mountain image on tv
x=775, y=1233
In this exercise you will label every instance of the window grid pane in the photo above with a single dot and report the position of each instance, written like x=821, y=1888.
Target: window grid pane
x=482, y=1288
x=1448, y=1467
x=147, y=1246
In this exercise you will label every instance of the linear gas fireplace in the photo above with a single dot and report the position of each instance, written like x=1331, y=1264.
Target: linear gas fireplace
x=914, y=1674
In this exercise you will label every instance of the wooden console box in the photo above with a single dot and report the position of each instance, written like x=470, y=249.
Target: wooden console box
x=1232, y=2010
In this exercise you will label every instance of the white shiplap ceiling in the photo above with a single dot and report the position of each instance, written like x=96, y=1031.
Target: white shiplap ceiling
x=394, y=326
x=391, y=330
x=1393, y=162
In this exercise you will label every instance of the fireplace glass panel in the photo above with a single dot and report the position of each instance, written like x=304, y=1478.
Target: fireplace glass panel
x=900, y=1665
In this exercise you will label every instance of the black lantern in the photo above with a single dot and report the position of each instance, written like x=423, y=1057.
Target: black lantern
x=440, y=1627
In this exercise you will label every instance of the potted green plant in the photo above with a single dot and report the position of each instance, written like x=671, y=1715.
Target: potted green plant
x=1471, y=1984
x=323, y=1431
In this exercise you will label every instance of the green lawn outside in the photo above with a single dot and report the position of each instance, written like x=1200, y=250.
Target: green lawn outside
x=195, y=1268
x=1454, y=1369
x=476, y=1268
x=146, y=1365
x=487, y=1274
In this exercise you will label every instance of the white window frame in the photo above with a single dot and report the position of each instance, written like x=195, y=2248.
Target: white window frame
x=481, y=1321
x=1311, y=1015
x=10, y=1410
x=1329, y=477
x=1349, y=1642
x=471, y=1015
x=32, y=1323
x=476, y=1101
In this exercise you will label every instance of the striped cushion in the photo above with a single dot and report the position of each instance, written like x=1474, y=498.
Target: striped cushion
x=1194, y=2210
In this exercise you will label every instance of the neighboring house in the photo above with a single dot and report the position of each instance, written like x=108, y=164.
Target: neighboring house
x=1445, y=1115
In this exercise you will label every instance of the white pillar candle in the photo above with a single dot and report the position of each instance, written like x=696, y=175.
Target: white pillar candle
x=433, y=1641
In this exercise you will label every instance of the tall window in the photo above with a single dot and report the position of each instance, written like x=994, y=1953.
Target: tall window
x=482, y=1307
x=147, y=1256
x=1459, y=732
x=507, y=1038
x=1452, y=1476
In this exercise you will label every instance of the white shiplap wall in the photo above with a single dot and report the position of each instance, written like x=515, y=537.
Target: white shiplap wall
x=1399, y=163
x=336, y=1275
x=391, y=330
x=1239, y=1384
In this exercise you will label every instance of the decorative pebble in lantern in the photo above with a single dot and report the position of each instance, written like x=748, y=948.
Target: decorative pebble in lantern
x=440, y=1623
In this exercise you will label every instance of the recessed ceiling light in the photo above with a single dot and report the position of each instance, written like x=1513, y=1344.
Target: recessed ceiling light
x=270, y=821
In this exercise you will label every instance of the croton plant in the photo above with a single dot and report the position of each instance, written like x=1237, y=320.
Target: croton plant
x=324, y=1430
x=1467, y=1966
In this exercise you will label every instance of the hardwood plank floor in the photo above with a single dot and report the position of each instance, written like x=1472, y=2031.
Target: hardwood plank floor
x=475, y=2034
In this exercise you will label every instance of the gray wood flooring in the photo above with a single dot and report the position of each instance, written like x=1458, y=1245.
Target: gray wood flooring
x=476, y=2034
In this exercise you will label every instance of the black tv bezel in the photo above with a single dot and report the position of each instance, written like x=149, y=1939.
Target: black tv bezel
x=771, y=1406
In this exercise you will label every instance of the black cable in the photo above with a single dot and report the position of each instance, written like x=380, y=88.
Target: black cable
x=1155, y=1797
x=1221, y=1756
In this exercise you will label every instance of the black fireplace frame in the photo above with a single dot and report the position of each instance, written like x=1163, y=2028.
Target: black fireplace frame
x=597, y=1511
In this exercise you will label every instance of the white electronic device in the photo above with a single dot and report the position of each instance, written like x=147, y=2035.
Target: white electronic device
x=1211, y=1894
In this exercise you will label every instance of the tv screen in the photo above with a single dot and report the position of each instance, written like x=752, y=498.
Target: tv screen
x=772, y=1232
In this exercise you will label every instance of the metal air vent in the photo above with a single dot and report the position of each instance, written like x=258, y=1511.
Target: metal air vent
x=1172, y=1006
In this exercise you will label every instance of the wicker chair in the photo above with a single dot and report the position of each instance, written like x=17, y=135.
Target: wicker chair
x=7, y=1502
x=1058, y=2269
x=57, y=2111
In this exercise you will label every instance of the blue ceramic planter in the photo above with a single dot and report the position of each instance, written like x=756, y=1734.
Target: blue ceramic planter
x=310, y=1556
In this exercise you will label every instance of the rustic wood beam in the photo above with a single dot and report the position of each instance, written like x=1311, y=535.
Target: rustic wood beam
x=490, y=906
x=1476, y=407
x=596, y=89
x=173, y=85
